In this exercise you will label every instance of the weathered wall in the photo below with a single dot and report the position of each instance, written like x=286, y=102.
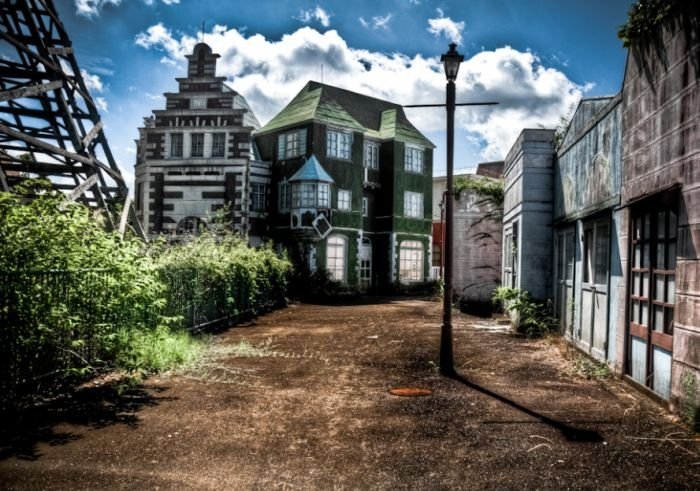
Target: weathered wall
x=587, y=189
x=477, y=249
x=661, y=149
x=587, y=174
x=529, y=201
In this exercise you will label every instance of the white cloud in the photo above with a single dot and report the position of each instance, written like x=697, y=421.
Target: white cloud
x=377, y=22
x=270, y=72
x=101, y=104
x=445, y=26
x=317, y=14
x=92, y=82
x=162, y=39
x=91, y=8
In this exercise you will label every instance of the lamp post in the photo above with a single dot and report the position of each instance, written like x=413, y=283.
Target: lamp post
x=451, y=61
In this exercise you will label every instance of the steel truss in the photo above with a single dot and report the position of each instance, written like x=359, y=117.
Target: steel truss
x=49, y=124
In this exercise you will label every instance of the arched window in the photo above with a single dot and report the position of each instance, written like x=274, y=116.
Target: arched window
x=336, y=250
x=411, y=261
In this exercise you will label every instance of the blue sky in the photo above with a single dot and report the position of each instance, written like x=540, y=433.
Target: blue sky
x=537, y=57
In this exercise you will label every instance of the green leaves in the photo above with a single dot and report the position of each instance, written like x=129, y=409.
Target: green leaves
x=75, y=298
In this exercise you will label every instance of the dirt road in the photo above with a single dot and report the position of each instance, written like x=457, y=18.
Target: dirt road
x=300, y=400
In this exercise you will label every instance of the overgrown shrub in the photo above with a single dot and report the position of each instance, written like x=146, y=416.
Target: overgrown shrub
x=533, y=318
x=76, y=300
x=319, y=286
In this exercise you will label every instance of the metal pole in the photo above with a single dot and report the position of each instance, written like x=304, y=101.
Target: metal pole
x=446, y=352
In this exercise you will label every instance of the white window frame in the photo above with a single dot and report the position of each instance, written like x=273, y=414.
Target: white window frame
x=412, y=204
x=285, y=197
x=324, y=195
x=291, y=144
x=180, y=147
x=371, y=157
x=344, y=200
x=200, y=147
x=338, y=144
x=198, y=103
x=365, y=207
x=336, y=256
x=308, y=194
x=257, y=196
x=218, y=149
x=414, y=160
x=411, y=261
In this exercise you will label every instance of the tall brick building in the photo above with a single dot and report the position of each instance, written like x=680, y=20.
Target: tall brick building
x=197, y=155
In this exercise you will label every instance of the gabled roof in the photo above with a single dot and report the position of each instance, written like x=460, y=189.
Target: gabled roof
x=311, y=171
x=333, y=106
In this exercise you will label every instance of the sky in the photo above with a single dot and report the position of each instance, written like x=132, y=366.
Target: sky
x=537, y=58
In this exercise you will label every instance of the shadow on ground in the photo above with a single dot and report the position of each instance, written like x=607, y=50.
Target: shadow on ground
x=571, y=433
x=22, y=431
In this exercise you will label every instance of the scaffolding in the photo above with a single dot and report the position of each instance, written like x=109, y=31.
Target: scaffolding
x=49, y=123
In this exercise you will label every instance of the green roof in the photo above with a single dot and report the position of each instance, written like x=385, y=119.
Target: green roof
x=330, y=105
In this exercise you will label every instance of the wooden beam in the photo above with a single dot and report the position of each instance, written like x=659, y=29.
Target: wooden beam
x=82, y=187
x=3, y=181
x=29, y=91
x=124, y=217
x=61, y=51
x=92, y=162
x=92, y=134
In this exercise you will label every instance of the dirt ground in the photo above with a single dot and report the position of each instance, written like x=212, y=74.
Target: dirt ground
x=314, y=412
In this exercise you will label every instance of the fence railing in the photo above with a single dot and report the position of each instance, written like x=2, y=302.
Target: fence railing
x=51, y=321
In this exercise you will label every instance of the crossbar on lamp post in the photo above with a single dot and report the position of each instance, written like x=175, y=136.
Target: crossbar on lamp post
x=451, y=61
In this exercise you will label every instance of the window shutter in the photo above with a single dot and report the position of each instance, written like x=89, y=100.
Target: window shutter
x=280, y=146
x=302, y=142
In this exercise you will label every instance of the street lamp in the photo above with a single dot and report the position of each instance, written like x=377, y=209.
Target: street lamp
x=451, y=61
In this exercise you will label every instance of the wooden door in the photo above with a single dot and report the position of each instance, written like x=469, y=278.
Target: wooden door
x=594, y=288
x=564, y=280
x=652, y=296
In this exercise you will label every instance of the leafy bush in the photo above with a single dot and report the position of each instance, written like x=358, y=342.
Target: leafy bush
x=76, y=300
x=491, y=192
x=534, y=319
x=319, y=286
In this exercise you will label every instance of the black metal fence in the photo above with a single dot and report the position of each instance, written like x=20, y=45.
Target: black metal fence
x=53, y=323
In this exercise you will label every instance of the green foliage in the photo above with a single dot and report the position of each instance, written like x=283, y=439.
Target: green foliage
x=690, y=412
x=644, y=20
x=562, y=127
x=534, y=319
x=76, y=300
x=591, y=369
x=429, y=288
x=157, y=349
x=319, y=286
x=490, y=190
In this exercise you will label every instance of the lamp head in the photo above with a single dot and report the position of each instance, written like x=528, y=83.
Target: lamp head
x=451, y=61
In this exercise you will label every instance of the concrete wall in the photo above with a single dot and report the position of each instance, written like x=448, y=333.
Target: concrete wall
x=477, y=250
x=529, y=200
x=661, y=149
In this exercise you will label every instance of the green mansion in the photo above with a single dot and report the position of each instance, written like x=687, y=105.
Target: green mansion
x=350, y=187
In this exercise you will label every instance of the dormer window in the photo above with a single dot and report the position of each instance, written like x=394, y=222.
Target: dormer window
x=291, y=144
